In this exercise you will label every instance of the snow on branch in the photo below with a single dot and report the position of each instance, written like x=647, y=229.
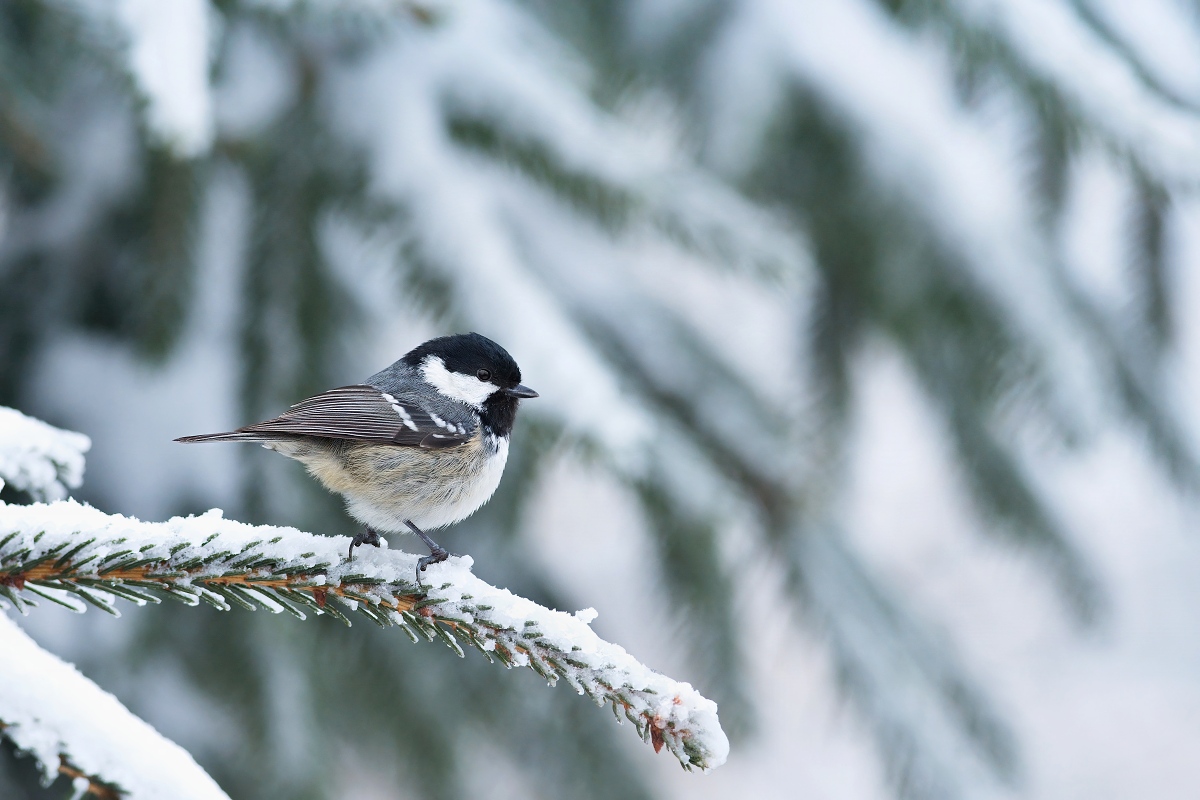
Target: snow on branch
x=956, y=173
x=75, y=728
x=167, y=49
x=75, y=555
x=1053, y=41
x=39, y=458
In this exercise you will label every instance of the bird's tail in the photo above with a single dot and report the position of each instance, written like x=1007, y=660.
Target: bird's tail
x=231, y=436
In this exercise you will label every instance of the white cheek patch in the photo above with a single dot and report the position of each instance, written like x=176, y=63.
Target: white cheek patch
x=463, y=388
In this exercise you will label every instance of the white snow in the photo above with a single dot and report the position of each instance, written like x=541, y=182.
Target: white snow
x=1163, y=36
x=1055, y=43
x=51, y=710
x=169, y=58
x=38, y=458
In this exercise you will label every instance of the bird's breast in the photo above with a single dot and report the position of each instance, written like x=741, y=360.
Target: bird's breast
x=387, y=484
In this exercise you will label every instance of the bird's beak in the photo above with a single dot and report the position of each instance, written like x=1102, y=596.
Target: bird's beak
x=520, y=391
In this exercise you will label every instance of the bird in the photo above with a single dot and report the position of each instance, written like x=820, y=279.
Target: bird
x=418, y=446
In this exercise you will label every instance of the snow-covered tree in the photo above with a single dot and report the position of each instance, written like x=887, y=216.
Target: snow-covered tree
x=688, y=219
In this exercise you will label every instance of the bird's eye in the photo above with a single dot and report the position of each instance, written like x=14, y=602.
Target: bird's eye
x=483, y=375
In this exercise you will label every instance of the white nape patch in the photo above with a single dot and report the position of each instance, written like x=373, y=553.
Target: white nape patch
x=463, y=388
x=400, y=410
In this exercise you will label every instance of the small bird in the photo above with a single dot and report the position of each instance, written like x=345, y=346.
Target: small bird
x=420, y=445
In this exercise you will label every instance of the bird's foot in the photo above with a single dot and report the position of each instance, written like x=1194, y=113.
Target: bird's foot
x=366, y=536
x=437, y=553
x=436, y=556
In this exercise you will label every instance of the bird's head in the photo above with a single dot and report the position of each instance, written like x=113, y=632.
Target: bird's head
x=471, y=369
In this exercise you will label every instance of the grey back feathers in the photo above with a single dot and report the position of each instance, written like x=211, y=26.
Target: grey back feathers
x=364, y=413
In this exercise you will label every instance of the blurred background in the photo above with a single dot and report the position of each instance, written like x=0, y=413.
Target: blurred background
x=861, y=327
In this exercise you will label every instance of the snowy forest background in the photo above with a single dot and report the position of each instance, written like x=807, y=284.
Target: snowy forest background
x=861, y=327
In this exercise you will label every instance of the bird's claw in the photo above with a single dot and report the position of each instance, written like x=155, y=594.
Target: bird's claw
x=367, y=536
x=436, y=556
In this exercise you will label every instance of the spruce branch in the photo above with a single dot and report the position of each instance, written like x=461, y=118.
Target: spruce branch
x=85, y=785
x=38, y=458
x=75, y=555
x=72, y=727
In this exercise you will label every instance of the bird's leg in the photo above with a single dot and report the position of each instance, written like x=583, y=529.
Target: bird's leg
x=366, y=536
x=437, y=553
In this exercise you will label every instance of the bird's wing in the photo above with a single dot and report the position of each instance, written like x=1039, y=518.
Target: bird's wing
x=359, y=412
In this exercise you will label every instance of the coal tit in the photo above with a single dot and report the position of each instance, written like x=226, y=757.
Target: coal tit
x=420, y=445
